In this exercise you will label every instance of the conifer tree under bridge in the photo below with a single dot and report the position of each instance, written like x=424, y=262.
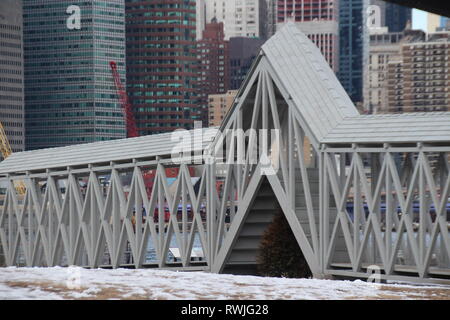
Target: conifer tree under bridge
x=361, y=193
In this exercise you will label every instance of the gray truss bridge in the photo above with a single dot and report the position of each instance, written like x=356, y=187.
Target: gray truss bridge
x=360, y=192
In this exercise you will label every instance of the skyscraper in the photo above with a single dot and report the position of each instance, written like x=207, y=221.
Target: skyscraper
x=213, y=55
x=393, y=16
x=385, y=51
x=243, y=51
x=162, y=64
x=353, y=46
x=241, y=18
x=11, y=73
x=70, y=96
x=384, y=47
x=318, y=19
x=397, y=17
x=419, y=81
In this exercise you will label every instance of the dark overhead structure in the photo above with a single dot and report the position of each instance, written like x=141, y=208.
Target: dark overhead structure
x=434, y=6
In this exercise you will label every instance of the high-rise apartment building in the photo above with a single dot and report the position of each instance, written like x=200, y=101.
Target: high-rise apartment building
x=384, y=47
x=353, y=54
x=384, y=51
x=214, y=65
x=162, y=64
x=419, y=80
x=390, y=26
x=11, y=73
x=70, y=96
x=318, y=19
x=241, y=18
x=218, y=106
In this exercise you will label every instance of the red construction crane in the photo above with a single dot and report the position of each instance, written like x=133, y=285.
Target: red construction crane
x=132, y=129
x=126, y=106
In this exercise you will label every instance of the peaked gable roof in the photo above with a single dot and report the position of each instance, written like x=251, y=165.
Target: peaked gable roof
x=312, y=85
x=318, y=96
x=105, y=151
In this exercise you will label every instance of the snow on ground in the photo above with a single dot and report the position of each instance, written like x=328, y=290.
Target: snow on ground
x=78, y=283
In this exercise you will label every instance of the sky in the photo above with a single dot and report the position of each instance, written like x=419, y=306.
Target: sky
x=419, y=19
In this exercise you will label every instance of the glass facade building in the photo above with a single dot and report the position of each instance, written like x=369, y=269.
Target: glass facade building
x=70, y=95
x=353, y=46
x=242, y=53
x=397, y=17
x=162, y=68
x=11, y=73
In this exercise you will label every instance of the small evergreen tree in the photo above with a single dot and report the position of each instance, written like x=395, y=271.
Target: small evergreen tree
x=280, y=254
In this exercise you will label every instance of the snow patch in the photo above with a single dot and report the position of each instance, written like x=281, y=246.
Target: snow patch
x=37, y=283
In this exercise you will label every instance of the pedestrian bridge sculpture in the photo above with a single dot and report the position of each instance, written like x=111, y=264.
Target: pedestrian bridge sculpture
x=360, y=192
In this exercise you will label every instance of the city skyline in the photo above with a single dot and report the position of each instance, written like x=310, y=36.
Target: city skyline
x=99, y=115
x=357, y=191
